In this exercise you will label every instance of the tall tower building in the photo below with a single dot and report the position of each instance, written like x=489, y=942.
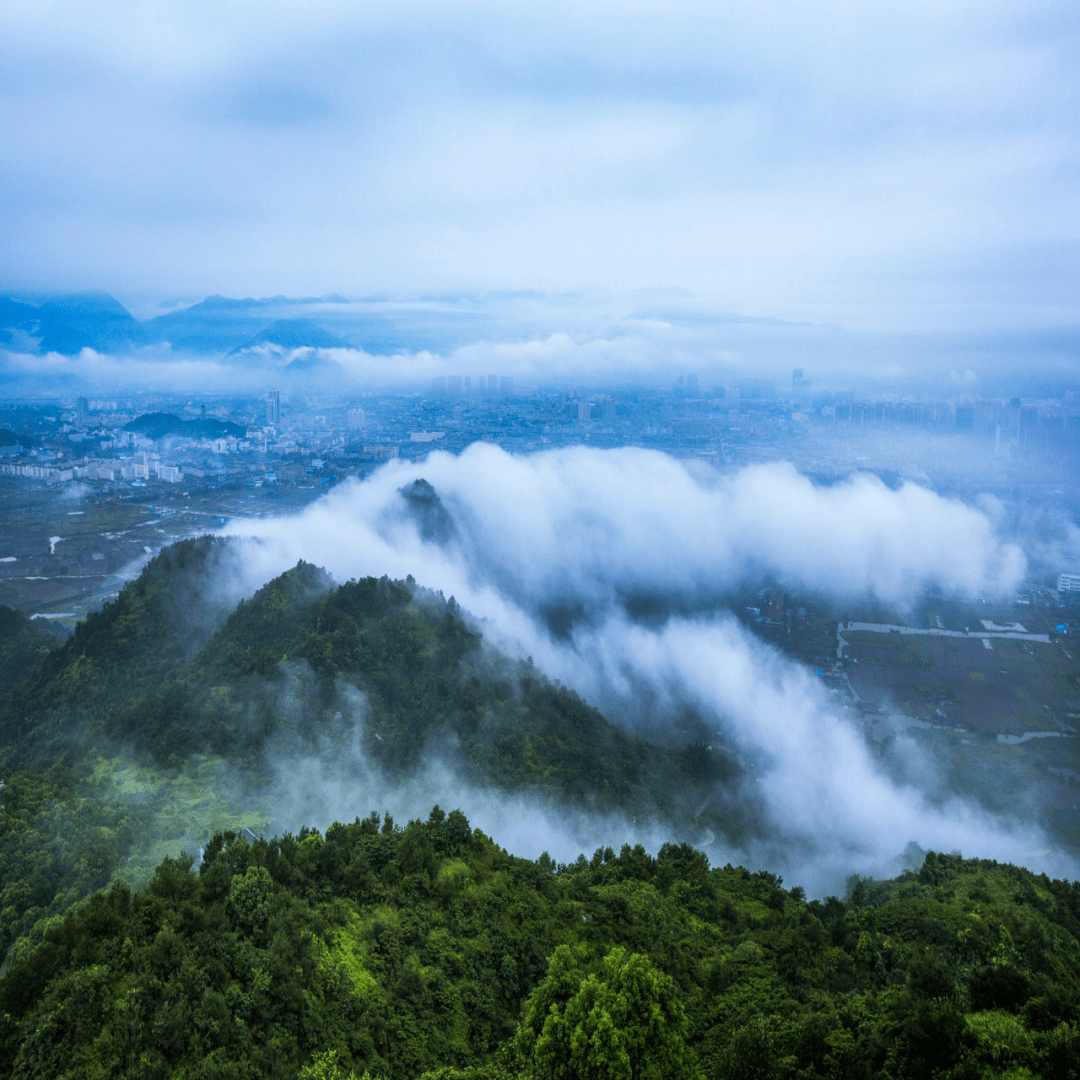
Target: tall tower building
x=273, y=408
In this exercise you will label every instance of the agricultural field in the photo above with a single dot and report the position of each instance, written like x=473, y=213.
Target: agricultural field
x=996, y=685
x=998, y=716
x=66, y=549
x=986, y=695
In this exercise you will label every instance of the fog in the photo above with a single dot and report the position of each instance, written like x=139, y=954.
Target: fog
x=629, y=339
x=583, y=530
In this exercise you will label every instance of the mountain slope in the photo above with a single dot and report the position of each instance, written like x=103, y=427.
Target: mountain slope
x=429, y=952
x=293, y=334
x=67, y=324
x=165, y=713
x=138, y=673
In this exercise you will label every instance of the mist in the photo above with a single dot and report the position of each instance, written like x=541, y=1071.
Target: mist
x=585, y=529
x=633, y=338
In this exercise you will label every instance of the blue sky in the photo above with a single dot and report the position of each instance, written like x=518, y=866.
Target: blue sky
x=879, y=165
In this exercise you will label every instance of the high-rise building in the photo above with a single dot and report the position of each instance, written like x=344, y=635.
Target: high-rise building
x=453, y=385
x=357, y=420
x=273, y=408
x=82, y=409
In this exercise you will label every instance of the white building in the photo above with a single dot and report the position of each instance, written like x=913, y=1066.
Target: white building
x=1068, y=583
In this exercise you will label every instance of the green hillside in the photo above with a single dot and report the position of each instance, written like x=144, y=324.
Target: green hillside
x=149, y=671
x=429, y=951
x=150, y=726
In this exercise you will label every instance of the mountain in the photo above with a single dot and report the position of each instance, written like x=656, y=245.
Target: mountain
x=293, y=334
x=222, y=325
x=267, y=348
x=133, y=673
x=428, y=952
x=158, y=425
x=425, y=950
x=16, y=316
x=217, y=325
x=164, y=688
x=24, y=645
x=68, y=324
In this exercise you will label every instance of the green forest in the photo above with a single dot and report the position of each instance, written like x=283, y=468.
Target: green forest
x=387, y=951
x=112, y=745
x=428, y=951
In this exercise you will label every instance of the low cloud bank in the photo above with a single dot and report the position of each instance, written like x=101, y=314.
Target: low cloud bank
x=830, y=808
x=588, y=527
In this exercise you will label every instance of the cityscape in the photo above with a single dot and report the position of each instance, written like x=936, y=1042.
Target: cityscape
x=217, y=456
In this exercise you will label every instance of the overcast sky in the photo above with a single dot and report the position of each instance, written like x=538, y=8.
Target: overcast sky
x=892, y=165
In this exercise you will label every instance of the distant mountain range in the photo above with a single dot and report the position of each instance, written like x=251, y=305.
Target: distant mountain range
x=217, y=325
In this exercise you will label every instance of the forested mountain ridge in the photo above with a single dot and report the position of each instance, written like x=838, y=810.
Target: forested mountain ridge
x=24, y=646
x=133, y=643
x=430, y=952
x=150, y=671
x=116, y=747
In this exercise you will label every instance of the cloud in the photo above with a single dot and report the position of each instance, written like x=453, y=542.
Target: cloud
x=891, y=165
x=830, y=808
x=586, y=529
x=590, y=526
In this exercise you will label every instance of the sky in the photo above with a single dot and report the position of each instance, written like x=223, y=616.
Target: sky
x=890, y=166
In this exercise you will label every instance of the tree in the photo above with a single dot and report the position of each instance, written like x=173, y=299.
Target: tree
x=624, y=1023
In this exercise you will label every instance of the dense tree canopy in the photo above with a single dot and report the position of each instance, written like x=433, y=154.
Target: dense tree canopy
x=426, y=951
x=429, y=951
x=163, y=672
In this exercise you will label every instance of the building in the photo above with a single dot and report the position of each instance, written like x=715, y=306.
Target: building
x=1068, y=583
x=506, y=386
x=357, y=420
x=381, y=452
x=273, y=408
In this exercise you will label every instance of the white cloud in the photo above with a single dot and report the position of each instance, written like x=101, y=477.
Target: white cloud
x=588, y=527
x=581, y=524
